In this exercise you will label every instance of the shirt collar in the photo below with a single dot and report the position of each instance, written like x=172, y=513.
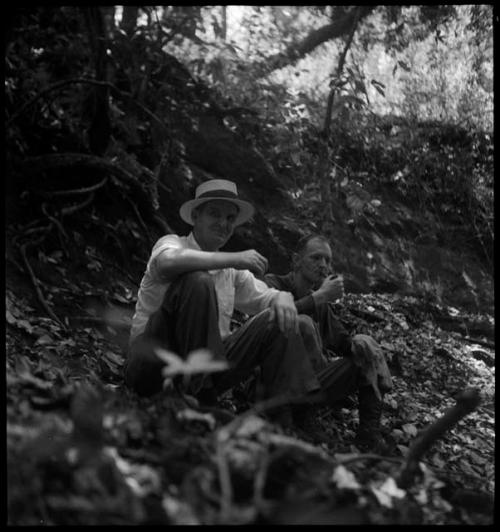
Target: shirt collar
x=191, y=240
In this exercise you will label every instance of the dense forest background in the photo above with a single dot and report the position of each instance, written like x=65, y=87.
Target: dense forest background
x=371, y=124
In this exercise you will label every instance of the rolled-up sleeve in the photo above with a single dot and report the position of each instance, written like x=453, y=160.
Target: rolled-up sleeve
x=164, y=243
x=251, y=295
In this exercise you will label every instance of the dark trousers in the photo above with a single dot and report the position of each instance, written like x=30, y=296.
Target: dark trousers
x=334, y=336
x=188, y=319
x=326, y=335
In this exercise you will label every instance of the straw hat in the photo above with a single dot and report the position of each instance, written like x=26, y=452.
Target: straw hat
x=217, y=189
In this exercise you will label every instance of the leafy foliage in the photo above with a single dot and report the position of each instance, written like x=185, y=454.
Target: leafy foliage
x=410, y=121
x=157, y=461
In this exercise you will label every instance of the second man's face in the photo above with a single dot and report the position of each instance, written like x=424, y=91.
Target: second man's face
x=315, y=262
x=214, y=223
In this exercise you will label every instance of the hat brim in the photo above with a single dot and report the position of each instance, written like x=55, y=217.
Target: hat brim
x=245, y=212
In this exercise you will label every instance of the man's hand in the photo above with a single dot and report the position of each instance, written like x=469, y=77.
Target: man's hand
x=251, y=260
x=331, y=289
x=283, y=310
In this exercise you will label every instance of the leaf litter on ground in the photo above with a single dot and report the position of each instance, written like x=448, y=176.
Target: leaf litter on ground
x=159, y=448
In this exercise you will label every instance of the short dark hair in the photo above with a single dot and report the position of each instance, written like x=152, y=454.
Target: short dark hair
x=304, y=240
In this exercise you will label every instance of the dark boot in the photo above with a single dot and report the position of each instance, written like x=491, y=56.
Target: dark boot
x=369, y=436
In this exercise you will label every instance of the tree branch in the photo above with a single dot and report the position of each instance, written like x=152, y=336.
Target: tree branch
x=75, y=191
x=467, y=401
x=317, y=37
x=340, y=67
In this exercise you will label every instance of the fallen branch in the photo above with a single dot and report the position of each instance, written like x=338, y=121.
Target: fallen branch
x=467, y=401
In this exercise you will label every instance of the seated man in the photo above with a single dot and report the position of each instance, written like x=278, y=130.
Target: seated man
x=187, y=297
x=314, y=292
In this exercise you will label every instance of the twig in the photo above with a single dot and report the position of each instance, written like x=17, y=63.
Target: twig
x=78, y=206
x=33, y=230
x=76, y=191
x=260, y=481
x=139, y=218
x=281, y=440
x=467, y=401
x=34, y=280
x=369, y=456
x=55, y=221
x=59, y=226
x=225, y=481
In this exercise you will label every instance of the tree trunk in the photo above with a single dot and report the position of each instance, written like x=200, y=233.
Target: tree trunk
x=224, y=23
x=327, y=172
x=99, y=130
x=129, y=19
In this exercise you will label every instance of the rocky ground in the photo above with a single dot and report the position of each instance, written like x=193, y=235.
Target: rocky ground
x=82, y=449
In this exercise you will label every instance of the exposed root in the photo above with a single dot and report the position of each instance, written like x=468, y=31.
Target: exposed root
x=36, y=284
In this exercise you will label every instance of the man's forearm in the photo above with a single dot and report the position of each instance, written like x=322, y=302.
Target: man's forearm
x=178, y=261
x=305, y=305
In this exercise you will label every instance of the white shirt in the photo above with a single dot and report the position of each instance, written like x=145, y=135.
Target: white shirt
x=235, y=289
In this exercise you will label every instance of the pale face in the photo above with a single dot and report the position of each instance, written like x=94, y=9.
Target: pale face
x=214, y=223
x=314, y=263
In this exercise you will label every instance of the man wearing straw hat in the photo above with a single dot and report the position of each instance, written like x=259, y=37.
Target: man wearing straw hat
x=188, y=295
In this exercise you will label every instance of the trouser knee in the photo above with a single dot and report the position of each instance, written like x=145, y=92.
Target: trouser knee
x=197, y=286
x=307, y=327
x=197, y=280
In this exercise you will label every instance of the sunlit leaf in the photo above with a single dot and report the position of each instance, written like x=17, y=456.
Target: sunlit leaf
x=345, y=479
x=198, y=361
x=387, y=492
x=410, y=429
